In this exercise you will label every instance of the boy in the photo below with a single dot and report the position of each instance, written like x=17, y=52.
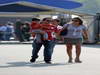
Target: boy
x=37, y=29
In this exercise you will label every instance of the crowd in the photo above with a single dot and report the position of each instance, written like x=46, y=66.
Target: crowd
x=6, y=31
x=17, y=31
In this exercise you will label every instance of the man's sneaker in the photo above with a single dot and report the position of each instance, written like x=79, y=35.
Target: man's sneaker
x=48, y=62
x=32, y=60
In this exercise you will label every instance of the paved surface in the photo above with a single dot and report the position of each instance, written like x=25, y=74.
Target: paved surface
x=14, y=60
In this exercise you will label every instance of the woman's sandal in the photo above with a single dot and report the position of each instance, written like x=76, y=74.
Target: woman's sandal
x=78, y=61
x=70, y=61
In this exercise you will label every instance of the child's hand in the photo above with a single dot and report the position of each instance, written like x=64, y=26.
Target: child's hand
x=87, y=41
x=42, y=33
x=62, y=38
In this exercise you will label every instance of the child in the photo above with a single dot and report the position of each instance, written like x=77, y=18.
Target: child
x=37, y=29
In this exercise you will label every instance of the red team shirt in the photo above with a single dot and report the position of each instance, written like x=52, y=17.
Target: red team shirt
x=35, y=25
x=48, y=28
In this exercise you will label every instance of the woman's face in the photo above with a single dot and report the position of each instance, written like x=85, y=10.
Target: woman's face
x=75, y=22
x=47, y=21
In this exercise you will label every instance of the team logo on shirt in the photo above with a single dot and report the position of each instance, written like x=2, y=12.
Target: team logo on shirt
x=52, y=27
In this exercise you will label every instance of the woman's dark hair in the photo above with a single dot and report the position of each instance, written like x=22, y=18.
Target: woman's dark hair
x=80, y=21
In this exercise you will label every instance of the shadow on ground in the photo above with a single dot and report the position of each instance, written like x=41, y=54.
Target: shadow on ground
x=92, y=46
x=28, y=64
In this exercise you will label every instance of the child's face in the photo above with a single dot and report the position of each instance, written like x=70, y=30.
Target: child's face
x=54, y=22
x=37, y=21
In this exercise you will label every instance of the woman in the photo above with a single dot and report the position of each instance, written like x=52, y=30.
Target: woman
x=74, y=37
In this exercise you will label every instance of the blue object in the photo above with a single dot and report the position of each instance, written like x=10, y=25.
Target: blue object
x=19, y=8
x=15, y=7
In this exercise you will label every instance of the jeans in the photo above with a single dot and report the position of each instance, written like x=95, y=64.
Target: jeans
x=48, y=49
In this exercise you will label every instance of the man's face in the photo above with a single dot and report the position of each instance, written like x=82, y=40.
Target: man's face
x=47, y=21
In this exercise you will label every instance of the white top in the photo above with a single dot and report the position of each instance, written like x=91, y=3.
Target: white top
x=74, y=31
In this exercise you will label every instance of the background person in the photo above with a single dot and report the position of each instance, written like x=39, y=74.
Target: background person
x=18, y=30
x=9, y=31
x=25, y=31
x=3, y=29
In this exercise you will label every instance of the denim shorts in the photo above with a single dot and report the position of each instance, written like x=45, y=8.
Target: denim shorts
x=73, y=40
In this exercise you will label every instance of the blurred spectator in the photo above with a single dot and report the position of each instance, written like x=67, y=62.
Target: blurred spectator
x=1, y=33
x=9, y=31
x=12, y=30
x=3, y=29
x=18, y=30
x=25, y=31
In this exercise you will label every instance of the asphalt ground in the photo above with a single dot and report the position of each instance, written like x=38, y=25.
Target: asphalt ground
x=14, y=60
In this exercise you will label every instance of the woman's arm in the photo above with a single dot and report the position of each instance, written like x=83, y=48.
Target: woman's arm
x=85, y=34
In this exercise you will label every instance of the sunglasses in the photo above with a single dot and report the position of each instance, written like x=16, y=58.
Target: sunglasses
x=48, y=20
x=75, y=20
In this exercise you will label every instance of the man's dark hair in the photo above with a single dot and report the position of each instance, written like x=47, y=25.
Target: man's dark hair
x=35, y=19
x=46, y=18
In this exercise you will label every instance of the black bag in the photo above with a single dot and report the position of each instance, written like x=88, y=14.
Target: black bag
x=64, y=32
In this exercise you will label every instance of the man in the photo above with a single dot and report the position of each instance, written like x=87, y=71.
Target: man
x=48, y=44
